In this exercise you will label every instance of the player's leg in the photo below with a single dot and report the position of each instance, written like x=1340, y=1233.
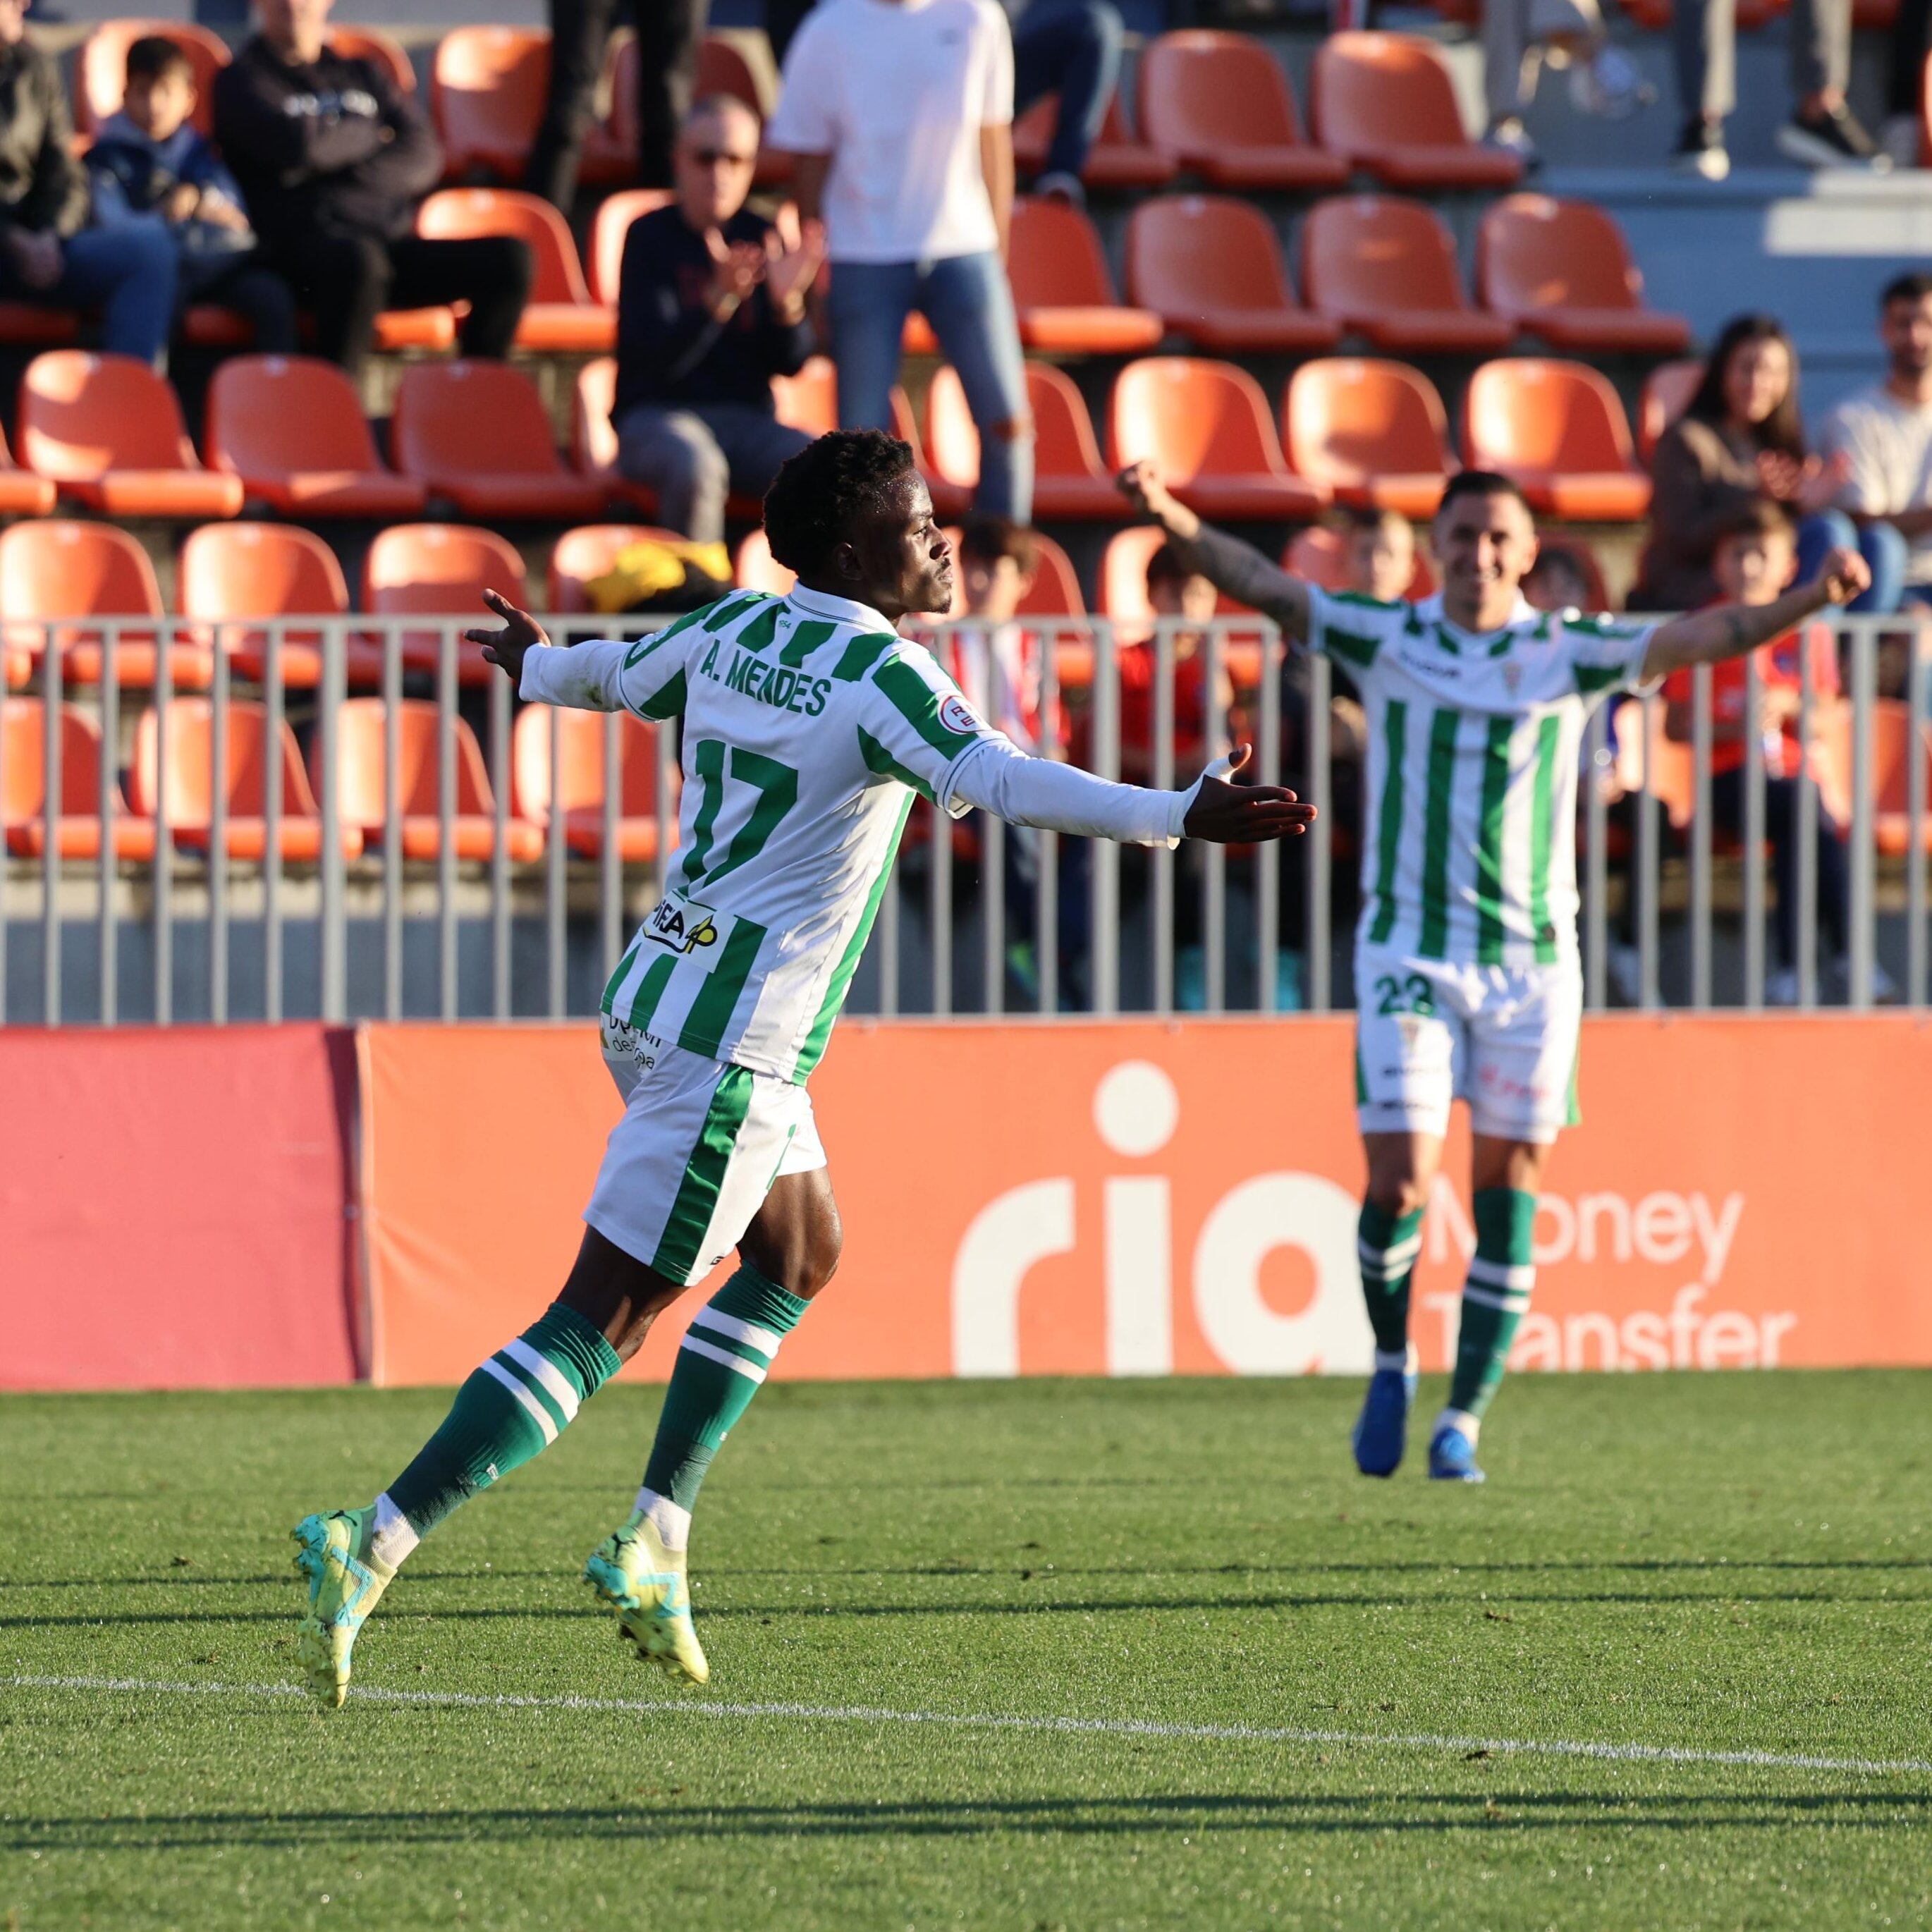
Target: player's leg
x=1520, y=1083
x=764, y=1189
x=1406, y=1044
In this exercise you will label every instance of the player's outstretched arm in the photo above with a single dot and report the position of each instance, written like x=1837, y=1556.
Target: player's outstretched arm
x=1729, y=630
x=1231, y=565
x=583, y=677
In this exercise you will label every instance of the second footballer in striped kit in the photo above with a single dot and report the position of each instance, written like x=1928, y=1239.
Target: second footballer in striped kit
x=1467, y=980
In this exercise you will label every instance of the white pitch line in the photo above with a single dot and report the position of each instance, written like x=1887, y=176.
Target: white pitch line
x=1120, y=1727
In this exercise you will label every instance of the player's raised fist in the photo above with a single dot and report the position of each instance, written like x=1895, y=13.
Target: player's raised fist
x=1842, y=576
x=504, y=648
x=1140, y=483
x=1232, y=815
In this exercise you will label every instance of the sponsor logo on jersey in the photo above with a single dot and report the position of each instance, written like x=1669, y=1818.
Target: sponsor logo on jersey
x=682, y=925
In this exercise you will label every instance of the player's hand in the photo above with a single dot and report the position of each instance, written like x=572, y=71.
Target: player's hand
x=505, y=649
x=1231, y=814
x=1140, y=483
x=1842, y=576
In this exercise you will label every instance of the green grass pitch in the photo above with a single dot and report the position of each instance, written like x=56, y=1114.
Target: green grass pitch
x=1735, y=1564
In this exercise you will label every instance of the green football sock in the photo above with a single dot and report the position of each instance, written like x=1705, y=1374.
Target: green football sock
x=1387, y=1245
x=1502, y=1271
x=510, y=1410
x=727, y=1351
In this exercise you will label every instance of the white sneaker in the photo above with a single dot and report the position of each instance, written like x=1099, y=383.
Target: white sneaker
x=1509, y=136
x=1061, y=186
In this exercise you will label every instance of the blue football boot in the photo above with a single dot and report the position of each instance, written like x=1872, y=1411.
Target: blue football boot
x=1452, y=1456
x=1381, y=1430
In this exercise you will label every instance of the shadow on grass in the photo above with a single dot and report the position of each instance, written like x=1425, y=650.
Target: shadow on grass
x=1315, y=1813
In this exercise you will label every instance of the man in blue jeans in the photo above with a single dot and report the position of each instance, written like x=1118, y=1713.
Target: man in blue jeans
x=899, y=114
x=46, y=256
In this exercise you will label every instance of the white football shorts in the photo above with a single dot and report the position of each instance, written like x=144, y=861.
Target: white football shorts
x=698, y=1148
x=1431, y=1031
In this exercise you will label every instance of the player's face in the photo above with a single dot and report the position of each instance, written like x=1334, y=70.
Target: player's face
x=1906, y=329
x=1485, y=545
x=1756, y=380
x=899, y=558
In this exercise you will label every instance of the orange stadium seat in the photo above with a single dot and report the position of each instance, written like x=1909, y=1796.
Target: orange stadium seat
x=1061, y=288
x=1667, y=390
x=187, y=774
x=1375, y=432
x=614, y=217
x=476, y=433
x=1115, y=160
x=581, y=780
x=439, y=570
x=373, y=45
x=1317, y=554
x=1219, y=105
x=77, y=830
x=22, y=493
x=1206, y=427
x=1751, y=14
x=808, y=400
x=57, y=573
x=230, y=574
x=610, y=151
x=1055, y=590
x=486, y=95
x=359, y=769
x=755, y=568
x=588, y=551
x=291, y=428
x=1895, y=743
x=1068, y=480
x=560, y=318
x=593, y=437
x=25, y=324
x=109, y=431
x=1210, y=266
x=1386, y=102
x=1563, y=270
x=100, y=70
x=1385, y=269
x=1558, y=430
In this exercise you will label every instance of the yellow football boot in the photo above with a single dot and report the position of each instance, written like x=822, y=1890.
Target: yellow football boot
x=644, y=1582
x=342, y=1589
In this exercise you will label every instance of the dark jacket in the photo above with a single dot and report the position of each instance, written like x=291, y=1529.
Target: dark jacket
x=41, y=185
x=670, y=351
x=331, y=146
x=132, y=175
x=1702, y=479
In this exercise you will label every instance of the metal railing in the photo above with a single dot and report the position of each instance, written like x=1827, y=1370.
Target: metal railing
x=393, y=842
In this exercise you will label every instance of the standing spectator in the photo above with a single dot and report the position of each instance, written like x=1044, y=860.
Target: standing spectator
x=149, y=161
x=1740, y=438
x=900, y=114
x=1905, y=76
x=1070, y=48
x=668, y=33
x=1883, y=437
x=1822, y=131
x=1755, y=560
x=710, y=307
x=1519, y=36
x=332, y=161
x=46, y=256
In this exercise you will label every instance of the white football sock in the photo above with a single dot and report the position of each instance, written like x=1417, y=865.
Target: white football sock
x=391, y=1536
x=672, y=1523
x=1463, y=1422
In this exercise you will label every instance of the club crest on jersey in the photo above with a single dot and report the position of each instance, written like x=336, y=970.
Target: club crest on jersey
x=956, y=716
x=682, y=926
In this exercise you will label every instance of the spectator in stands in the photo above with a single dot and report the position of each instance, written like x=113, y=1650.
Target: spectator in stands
x=148, y=160
x=1378, y=554
x=900, y=116
x=333, y=160
x=1519, y=36
x=1741, y=437
x=1557, y=581
x=1757, y=559
x=1822, y=131
x=668, y=34
x=45, y=255
x=1905, y=77
x=1883, y=437
x=710, y=307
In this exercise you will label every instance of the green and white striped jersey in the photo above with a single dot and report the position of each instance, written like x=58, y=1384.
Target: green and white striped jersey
x=1475, y=742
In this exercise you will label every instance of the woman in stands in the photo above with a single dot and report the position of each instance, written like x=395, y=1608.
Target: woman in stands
x=1741, y=438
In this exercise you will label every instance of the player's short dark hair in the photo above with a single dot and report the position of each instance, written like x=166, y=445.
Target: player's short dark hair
x=154, y=56
x=987, y=539
x=1167, y=565
x=819, y=495
x=1481, y=483
x=1762, y=517
x=1914, y=287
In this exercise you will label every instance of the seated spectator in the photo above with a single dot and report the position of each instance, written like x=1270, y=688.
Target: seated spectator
x=45, y=255
x=1882, y=437
x=996, y=660
x=1757, y=559
x=148, y=160
x=710, y=307
x=1740, y=438
x=1378, y=554
x=1071, y=48
x=333, y=160
x=899, y=119
x=1556, y=581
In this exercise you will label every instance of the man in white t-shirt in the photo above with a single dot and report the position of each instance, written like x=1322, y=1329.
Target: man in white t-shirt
x=1885, y=434
x=899, y=114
